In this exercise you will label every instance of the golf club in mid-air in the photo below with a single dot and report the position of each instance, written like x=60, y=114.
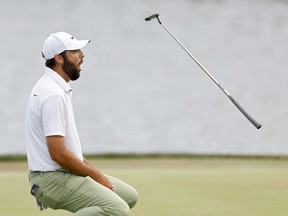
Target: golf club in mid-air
x=253, y=121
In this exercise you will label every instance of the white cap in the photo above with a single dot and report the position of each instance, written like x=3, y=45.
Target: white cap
x=59, y=42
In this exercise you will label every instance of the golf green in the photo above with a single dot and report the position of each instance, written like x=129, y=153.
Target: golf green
x=174, y=186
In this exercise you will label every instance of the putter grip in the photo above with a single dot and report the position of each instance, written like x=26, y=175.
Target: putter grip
x=253, y=121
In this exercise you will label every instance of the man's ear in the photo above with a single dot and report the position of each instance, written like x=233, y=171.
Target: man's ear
x=59, y=59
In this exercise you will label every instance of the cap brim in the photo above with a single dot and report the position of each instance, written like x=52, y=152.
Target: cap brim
x=79, y=44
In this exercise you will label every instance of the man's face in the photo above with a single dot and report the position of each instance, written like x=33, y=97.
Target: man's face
x=72, y=61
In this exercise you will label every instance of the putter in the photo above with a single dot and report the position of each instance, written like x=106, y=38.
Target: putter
x=241, y=109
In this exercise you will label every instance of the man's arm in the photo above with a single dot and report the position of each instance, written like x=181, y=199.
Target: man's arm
x=68, y=160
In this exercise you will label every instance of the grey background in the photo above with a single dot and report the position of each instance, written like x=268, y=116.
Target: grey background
x=139, y=92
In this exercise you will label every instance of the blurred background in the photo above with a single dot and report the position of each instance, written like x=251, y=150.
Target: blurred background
x=139, y=92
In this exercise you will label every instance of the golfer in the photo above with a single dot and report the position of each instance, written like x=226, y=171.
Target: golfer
x=59, y=175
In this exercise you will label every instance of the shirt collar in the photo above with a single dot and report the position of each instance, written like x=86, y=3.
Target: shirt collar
x=54, y=75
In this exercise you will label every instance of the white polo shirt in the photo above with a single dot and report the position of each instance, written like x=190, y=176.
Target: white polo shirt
x=49, y=112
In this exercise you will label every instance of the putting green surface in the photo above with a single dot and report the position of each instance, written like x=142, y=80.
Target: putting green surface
x=174, y=186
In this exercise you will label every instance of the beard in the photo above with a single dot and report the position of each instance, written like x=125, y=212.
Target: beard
x=70, y=69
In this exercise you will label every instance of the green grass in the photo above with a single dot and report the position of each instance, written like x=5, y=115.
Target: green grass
x=174, y=186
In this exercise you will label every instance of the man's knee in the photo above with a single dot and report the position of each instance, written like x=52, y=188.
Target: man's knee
x=121, y=209
x=133, y=199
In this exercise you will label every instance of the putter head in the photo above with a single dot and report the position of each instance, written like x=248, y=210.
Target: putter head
x=153, y=17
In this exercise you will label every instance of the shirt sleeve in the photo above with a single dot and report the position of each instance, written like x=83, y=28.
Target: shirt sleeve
x=54, y=119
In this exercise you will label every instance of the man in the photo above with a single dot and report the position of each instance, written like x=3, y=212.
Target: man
x=59, y=175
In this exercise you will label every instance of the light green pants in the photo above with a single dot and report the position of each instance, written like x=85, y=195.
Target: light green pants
x=82, y=195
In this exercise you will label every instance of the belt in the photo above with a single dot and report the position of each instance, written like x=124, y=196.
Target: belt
x=36, y=173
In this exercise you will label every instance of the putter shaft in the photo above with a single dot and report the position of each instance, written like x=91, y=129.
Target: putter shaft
x=240, y=108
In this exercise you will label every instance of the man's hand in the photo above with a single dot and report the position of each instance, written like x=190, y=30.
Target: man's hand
x=102, y=179
x=69, y=161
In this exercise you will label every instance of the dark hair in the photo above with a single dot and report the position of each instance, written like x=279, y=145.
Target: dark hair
x=51, y=62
